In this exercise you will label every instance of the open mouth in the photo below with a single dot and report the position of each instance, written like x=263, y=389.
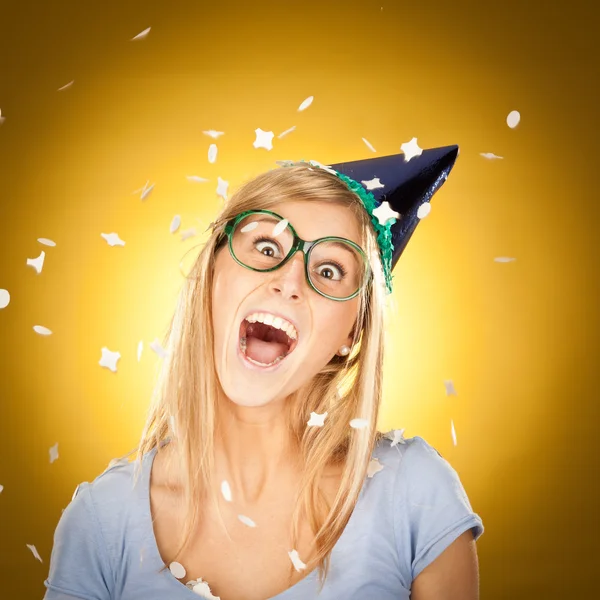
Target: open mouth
x=266, y=341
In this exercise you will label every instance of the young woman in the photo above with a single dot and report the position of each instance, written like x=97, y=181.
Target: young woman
x=260, y=473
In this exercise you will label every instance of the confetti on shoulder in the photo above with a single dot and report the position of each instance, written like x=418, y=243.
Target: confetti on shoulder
x=396, y=436
x=141, y=35
x=374, y=467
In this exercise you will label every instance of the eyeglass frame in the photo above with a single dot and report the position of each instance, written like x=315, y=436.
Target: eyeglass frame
x=298, y=244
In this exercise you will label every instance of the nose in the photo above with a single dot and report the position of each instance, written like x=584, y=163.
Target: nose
x=290, y=280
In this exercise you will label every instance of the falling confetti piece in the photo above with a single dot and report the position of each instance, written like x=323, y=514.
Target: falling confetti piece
x=264, y=139
x=64, y=87
x=146, y=192
x=226, y=490
x=4, y=298
x=175, y=223
x=396, y=436
x=173, y=426
x=284, y=163
x=177, y=569
x=42, y=330
x=212, y=153
x=298, y=564
x=280, y=227
x=142, y=35
x=373, y=184
x=369, y=145
x=34, y=551
x=109, y=359
x=247, y=521
x=316, y=420
x=513, y=119
x=250, y=227
x=453, y=433
x=222, y=186
x=37, y=263
x=504, y=259
x=374, y=467
x=490, y=155
x=141, y=189
x=359, y=423
x=213, y=134
x=53, y=453
x=46, y=242
x=140, y=348
x=384, y=213
x=450, y=391
x=284, y=133
x=156, y=346
x=306, y=103
x=316, y=163
x=188, y=233
x=424, y=210
x=1, y=117
x=113, y=239
x=1, y=488
x=196, y=178
x=411, y=149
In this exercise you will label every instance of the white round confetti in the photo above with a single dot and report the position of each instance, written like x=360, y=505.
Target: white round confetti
x=42, y=330
x=247, y=521
x=226, y=490
x=177, y=569
x=46, y=242
x=4, y=298
x=424, y=210
x=513, y=119
x=212, y=153
x=175, y=223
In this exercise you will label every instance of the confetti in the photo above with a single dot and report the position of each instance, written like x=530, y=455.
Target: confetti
x=374, y=467
x=373, y=184
x=424, y=210
x=140, y=348
x=453, y=432
x=396, y=436
x=196, y=178
x=316, y=420
x=247, y=521
x=156, y=346
x=504, y=259
x=264, y=139
x=142, y=189
x=53, y=453
x=37, y=263
x=141, y=35
x=42, y=330
x=359, y=423
x=1, y=488
x=146, y=192
x=213, y=134
x=490, y=155
x=306, y=103
x=34, y=551
x=188, y=233
x=64, y=87
x=113, y=239
x=109, y=359
x=46, y=242
x=280, y=227
x=4, y=298
x=212, y=153
x=316, y=163
x=222, y=186
x=284, y=133
x=369, y=145
x=1, y=117
x=411, y=149
x=226, y=490
x=250, y=227
x=450, y=391
x=384, y=213
x=513, y=119
x=201, y=587
x=177, y=569
x=175, y=224
x=298, y=564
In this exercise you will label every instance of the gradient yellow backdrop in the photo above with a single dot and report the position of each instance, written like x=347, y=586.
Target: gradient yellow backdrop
x=519, y=340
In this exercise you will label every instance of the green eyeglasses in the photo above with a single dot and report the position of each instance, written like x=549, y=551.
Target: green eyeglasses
x=261, y=240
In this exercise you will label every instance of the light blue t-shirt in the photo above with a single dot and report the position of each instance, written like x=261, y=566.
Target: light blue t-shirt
x=407, y=514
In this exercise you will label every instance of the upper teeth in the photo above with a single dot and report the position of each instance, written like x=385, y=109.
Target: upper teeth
x=278, y=322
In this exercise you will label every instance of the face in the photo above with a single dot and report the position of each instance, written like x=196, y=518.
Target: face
x=322, y=325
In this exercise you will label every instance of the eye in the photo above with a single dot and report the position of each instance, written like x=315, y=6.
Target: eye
x=330, y=270
x=265, y=243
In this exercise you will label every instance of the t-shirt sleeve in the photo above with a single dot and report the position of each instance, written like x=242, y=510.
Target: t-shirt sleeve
x=433, y=507
x=79, y=565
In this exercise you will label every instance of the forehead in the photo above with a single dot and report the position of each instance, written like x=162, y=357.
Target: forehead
x=315, y=219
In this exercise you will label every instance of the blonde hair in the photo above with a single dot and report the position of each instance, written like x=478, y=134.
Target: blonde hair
x=183, y=406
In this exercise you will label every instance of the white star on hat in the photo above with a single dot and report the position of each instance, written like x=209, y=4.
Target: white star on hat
x=373, y=184
x=384, y=213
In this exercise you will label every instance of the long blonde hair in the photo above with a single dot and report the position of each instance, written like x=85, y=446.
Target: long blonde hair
x=183, y=407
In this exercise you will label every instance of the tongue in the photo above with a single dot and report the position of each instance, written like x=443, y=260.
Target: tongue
x=264, y=352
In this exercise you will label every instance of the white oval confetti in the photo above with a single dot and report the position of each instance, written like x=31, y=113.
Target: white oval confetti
x=177, y=569
x=157, y=347
x=42, y=330
x=306, y=103
x=247, y=521
x=513, y=119
x=139, y=350
x=249, y=227
x=175, y=223
x=188, y=233
x=280, y=227
x=359, y=423
x=146, y=192
x=64, y=87
x=53, y=453
x=298, y=564
x=46, y=242
x=424, y=210
x=142, y=35
x=1, y=117
x=453, y=432
x=369, y=145
x=226, y=490
x=212, y=153
x=196, y=178
x=284, y=133
x=4, y=298
x=504, y=259
x=34, y=551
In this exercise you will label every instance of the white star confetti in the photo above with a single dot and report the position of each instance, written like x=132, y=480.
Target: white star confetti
x=113, y=239
x=141, y=35
x=188, y=233
x=247, y=521
x=384, y=213
x=213, y=134
x=37, y=263
x=513, y=119
x=264, y=139
x=212, y=153
x=46, y=242
x=284, y=133
x=196, y=178
x=156, y=346
x=140, y=349
x=453, y=433
x=298, y=564
x=369, y=145
x=373, y=184
x=316, y=420
x=1, y=117
x=423, y=210
x=177, y=569
x=306, y=103
x=34, y=551
x=53, y=453
x=175, y=224
x=411, y=149
x=280, y=227
x=359, y=423
x=396, y=436
x=109, y=359
x=316, y=163
x=201, y=587
x=4, y=298
x=450, y=391
x=374, y=467
x=67, y=86
x=222, y=186
x=490, y=155
x=504, y=259
x=226, y=490
x=42, y=330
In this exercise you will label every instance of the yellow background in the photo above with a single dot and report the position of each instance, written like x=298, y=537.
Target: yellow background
x=519, y=340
